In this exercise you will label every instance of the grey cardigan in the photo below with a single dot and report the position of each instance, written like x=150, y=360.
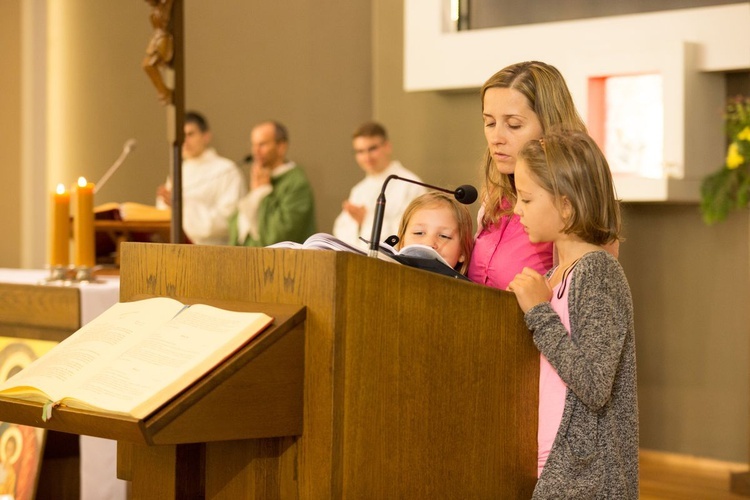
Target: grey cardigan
x=595, y=453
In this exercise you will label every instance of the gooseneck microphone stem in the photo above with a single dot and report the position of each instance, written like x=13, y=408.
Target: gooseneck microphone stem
x=377, y=224
x=465, y=194
x=418, y=182
x=129, y=146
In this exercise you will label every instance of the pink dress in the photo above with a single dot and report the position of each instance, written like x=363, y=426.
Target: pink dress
x=503, y=250
x=552, y=390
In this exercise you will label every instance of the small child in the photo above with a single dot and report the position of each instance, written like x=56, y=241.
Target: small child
x=581, y=319
x=439, y=221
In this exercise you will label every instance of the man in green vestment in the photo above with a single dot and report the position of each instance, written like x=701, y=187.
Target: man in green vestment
x=279, y=206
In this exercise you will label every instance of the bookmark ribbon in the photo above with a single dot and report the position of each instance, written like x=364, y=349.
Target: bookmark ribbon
x=47, y=410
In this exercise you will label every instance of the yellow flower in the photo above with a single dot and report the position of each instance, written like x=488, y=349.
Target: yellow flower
x=734, y=158
x=745, y=134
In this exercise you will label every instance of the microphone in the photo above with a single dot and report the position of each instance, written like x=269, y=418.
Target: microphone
x=465, y=194
x=127, y=148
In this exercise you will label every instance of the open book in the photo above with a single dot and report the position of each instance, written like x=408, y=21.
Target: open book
x=422, y=257
x=134, y=357
x=419, y=256
x=320, y=241
x=325, y=241
x=131, y=211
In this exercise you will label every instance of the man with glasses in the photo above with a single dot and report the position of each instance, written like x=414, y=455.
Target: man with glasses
x=372, y=151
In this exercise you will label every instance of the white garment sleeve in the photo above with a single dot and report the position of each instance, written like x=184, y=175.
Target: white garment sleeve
x=161, y=203
x=207, y=221
x=346, y=228
x=247, y=216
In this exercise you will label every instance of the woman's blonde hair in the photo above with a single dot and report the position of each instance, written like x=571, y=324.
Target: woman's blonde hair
x=548, y=96
x=570, y=166
x=434, y=199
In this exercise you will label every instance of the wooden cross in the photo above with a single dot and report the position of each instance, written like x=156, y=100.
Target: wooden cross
x=164, y=64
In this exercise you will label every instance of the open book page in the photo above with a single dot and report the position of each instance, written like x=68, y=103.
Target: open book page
x=420, y=256
x=92, y=347
x=136, y=356
x=286, y=244
x=131, y=211
x=175, y=355
x=320, y=241
x=325, y=241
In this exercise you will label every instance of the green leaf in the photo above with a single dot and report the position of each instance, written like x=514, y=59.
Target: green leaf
x=743, y=190
x=729, y=189
x=718, y=195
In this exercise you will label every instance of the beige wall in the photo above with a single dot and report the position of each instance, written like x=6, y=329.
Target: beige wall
x=691, y=291
x=246, y=61
x=99, y=98
x=308, y=65
x=438, y=134
x=10, y=131
x=322, y=69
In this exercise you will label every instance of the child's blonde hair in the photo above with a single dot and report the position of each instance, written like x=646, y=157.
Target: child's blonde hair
x=570, y=165
x=433, y=199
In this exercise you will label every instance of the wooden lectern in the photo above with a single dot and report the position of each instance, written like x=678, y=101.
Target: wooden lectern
x=376, y=381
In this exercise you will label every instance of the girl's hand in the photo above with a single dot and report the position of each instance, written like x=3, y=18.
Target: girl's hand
x=531, y=288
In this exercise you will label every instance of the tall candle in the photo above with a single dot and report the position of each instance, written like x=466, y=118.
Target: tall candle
x=83, y=226
x=59, y=245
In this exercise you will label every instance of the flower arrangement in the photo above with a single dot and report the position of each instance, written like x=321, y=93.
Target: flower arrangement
x=729, y=188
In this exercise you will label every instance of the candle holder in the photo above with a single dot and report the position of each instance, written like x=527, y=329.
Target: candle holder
x=57, y=273
x=58, y=276
x=84, y=274
x=70, y=275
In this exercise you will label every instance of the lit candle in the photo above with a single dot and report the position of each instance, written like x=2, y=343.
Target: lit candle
x=59, y=248
x=83, y=226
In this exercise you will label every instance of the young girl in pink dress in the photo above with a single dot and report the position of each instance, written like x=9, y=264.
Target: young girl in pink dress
x=581, y=318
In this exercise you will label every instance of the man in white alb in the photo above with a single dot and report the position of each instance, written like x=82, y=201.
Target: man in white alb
x=211, y=186
x=372, y=151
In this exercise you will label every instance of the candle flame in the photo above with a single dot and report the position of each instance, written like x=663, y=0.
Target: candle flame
x=60, y=189
x=82, y=181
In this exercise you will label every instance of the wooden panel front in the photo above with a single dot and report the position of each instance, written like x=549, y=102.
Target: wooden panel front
x=39, y=312
x=440, y=392
x=258, y=275
x=258, y=393
x=416, y=385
